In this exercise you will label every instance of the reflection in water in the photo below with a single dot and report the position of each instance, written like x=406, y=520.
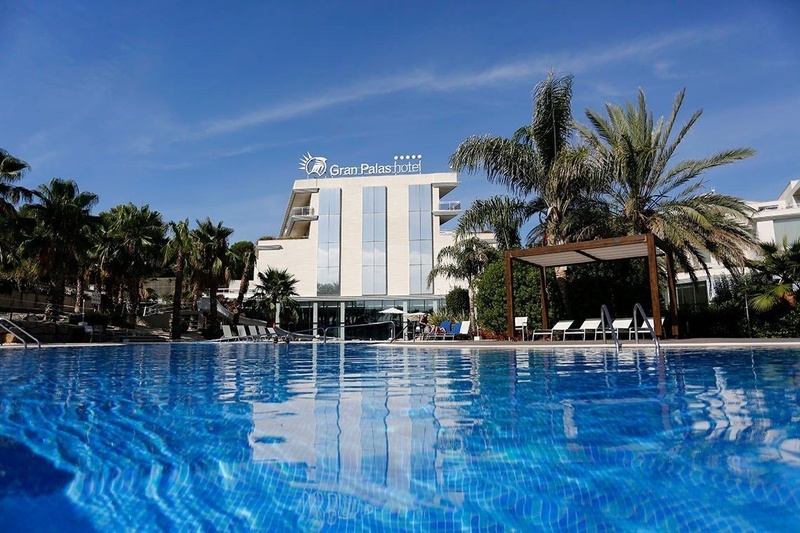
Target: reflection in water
x=320, y=436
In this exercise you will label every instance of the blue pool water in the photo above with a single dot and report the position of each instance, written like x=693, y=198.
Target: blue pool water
x=360, y=438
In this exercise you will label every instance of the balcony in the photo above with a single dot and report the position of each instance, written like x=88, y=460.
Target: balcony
x=447, y=210
x=305, y=212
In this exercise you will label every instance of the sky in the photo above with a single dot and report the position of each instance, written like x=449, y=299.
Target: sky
x=205, y=108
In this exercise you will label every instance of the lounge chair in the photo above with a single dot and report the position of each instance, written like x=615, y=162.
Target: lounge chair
x=622, y=324
x=292, y=336
x=521, y=323
x=244, y=334
x=227, y=334
x=463, y=330
x=262, y=333
x=642, y=329
x=560, y=327
x=589, y=325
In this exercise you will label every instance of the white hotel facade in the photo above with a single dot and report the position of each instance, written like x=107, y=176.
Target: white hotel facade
x=362, y=238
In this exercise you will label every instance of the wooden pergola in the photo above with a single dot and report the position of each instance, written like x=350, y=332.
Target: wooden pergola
x=645, y=245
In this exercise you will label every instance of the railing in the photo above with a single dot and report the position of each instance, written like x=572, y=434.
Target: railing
x=302, y=211
x=645, y=322
x=454, y=205
x=606, y=322
x=325, y=331
x=5, y=323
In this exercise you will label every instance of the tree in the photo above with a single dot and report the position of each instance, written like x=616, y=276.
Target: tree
x=539, y=165
x=466, y=259
x=212, y=257
x=11, y=171
x=245, y=251
x=60, y=235
x=139, y=235
x=779, y=267
x=646, y=192
x=504, y=216
x=548, y=174
x=277, y=287
x=178, y=248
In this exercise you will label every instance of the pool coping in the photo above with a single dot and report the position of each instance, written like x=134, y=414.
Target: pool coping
x=699, y=343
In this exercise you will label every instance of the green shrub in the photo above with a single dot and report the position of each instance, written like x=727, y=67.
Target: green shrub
x=491, y=298
x=457, y=301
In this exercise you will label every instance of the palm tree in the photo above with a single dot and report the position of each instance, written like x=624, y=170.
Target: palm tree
x=466, y=259
x=245, y=251
x=60, y=235
x=547, y=173
x=11, y=171
x=647, y=192
x=211, y=256
x=277, y=287
x=177, y=249
x=140, y=236
x=539, y=165
x=780, y=266
x=504, y=216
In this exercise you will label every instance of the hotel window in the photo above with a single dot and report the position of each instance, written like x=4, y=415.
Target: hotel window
x=420, y=236
x=328, y=244
x=373, y=243
x=790, y=229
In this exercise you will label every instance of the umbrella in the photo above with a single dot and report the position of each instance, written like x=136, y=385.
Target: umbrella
x=413, y=317
x=392, y=311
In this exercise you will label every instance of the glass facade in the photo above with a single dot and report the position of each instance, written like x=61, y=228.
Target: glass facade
x=373, y=244
x=329, y=242
x=788, y=229
x=420, y=235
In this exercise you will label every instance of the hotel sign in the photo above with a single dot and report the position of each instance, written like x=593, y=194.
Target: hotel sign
x=318, y=167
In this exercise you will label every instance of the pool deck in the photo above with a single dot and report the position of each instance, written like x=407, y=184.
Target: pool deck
x=624, y=343
x=699, y=343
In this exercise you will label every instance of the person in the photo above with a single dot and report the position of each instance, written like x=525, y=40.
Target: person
x=423, y=324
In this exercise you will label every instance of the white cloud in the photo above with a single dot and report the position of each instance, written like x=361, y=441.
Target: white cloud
x=575, y=62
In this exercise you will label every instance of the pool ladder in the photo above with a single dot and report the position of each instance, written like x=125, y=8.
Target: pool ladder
x=645, y=322
x=7, y=325
x=607, y=323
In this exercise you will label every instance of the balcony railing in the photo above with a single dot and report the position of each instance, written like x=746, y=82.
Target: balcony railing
x=450, y=206
x=303, y=211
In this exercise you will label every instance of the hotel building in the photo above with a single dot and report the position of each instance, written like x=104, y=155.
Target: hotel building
x=361, y=239
x=771, y=221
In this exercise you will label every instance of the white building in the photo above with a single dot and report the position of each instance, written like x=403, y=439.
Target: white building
x=771, y=221
x=362, y=238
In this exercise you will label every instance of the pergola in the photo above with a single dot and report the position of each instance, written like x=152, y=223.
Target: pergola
x=645, y=245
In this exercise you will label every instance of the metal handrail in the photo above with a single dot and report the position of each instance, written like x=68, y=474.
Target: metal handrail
x=605, y=316
x=645, y=322
x=4, y=321
x=325, y=331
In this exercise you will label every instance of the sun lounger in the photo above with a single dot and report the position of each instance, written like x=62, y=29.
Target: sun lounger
x=560, y=327
x=291, y=335
x=227, y=334
x=622, y=324
x=589, y=325
x=521, y=323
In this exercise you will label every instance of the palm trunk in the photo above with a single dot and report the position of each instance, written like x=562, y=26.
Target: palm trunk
x=133, y=300
x=473, y=316
x=244, y=283
x=175, y=329
x=79, y=295
x=213, y=317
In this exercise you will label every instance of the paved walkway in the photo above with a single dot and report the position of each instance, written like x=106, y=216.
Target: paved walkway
x=626, y=344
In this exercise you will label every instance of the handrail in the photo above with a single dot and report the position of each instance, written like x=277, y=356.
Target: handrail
x=645, y=322
x=325, y=331
x=4, y=321
x=606, y=316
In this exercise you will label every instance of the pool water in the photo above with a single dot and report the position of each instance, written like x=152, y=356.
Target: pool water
x=342, y=437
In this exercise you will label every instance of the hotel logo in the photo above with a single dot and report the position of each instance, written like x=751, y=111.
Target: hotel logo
x=315, y=167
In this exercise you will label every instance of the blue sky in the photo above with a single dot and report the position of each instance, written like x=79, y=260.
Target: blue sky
x=205, y=108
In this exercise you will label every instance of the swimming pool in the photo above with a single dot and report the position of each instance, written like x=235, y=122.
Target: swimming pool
x=359, y=438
